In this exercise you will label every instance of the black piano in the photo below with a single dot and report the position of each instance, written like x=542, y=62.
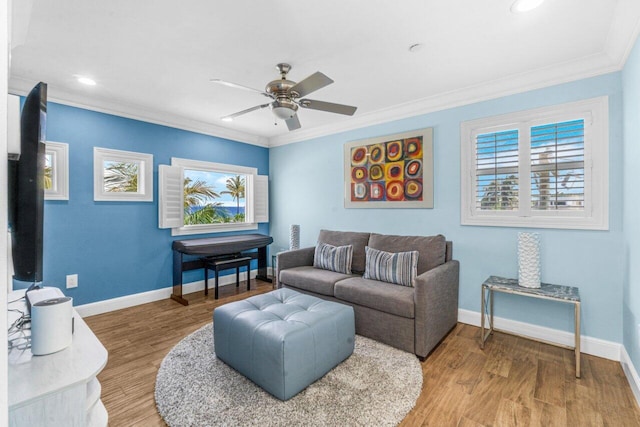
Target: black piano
x=190, y=254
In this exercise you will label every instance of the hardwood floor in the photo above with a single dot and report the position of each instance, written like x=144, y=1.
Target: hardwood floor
x=512, y=382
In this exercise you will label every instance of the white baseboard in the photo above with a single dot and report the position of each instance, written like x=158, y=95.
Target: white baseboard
x=589, y=345
x=631, y=374
x=158, y=294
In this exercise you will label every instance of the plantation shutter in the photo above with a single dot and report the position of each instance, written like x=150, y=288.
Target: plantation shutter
x=170, y=197
x=496, y=171
x=557, y=166
x=261, y=198
x=258, y=187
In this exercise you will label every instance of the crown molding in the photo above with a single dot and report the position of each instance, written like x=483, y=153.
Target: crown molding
x=582, y=68
x=624, y=31
x=21, y=86
x=616, y=51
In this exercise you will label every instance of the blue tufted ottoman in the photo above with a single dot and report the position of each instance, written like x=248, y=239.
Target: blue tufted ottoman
x=283, y=340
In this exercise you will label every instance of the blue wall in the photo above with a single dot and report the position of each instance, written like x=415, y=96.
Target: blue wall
x=307, y=189
x=631, y=287
x=116, y=248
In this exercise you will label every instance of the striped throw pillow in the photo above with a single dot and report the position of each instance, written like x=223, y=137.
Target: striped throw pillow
x=334, y=258
x=399, y=268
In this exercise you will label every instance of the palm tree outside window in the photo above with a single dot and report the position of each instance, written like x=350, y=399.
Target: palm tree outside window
x=212, y=197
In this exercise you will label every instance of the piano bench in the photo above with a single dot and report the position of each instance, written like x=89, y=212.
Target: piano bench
x=225, y=264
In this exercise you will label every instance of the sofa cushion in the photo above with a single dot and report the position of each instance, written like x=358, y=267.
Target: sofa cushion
x=312, y=279
x=333, y=258
x=381, y=296
x=398, y=268
x=431, y=249
x=343, y=238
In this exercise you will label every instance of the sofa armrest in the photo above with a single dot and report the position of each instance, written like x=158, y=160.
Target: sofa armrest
x=295, y=258
x=436, y=305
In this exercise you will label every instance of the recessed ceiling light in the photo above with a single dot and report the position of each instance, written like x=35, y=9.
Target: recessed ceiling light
x=86, y=81
x=415, y=47
x=521, y=6
x=227, y=119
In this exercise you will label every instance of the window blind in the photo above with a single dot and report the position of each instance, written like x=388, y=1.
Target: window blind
x=557, y=166
x=497, y=170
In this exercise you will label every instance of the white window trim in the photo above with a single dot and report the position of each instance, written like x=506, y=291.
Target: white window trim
x=218, y=167
x=595, y=216
x=145, y=175
x=60, y=171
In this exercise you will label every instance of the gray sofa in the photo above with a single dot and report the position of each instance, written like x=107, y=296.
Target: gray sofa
x=414, y=319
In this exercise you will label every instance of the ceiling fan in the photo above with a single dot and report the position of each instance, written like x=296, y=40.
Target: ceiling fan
x=286, y=97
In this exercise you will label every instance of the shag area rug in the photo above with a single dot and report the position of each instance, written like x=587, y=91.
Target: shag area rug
x=377, y=385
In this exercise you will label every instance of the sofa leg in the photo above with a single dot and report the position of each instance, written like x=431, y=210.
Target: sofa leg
x=421, y=358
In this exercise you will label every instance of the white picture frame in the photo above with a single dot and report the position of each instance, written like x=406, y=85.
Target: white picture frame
x=123, y=176
x=56, y=185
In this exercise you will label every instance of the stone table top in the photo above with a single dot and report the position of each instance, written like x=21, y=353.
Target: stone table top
x=546, y=290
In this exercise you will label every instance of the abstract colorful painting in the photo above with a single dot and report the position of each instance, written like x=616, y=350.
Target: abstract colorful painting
x=390, y=171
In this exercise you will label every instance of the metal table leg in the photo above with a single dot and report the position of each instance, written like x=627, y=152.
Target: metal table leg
x=482, y=317
x=484, y=336
x=577, y=337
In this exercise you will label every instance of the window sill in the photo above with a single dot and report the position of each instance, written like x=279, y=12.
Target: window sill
x=217, y=228
x=568, y=223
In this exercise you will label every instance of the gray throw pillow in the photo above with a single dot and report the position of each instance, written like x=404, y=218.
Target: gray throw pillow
x=333, y=258
x=399, y=268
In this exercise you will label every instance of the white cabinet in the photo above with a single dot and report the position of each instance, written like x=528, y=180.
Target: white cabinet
x=59, y=389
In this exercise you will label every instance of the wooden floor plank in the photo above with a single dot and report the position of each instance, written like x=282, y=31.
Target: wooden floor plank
x=550, y=383
x=512, y=414
x=546, y=415
x=582, y=413
x=521, y=383
x=513, y=381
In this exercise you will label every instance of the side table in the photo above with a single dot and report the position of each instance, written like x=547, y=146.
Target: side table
x=565, y=294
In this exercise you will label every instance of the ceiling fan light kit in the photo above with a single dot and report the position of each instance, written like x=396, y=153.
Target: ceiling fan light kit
x=283, y=112
x=286, y=94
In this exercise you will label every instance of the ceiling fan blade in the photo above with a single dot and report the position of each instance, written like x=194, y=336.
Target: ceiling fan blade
x=328, y=106
x=237, y=86
x=248, y=110
x=312, y=83
x=293, y=123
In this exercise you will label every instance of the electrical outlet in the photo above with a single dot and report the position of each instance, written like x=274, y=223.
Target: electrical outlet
x=72, y=281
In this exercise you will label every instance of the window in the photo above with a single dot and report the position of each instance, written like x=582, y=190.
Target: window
x=212, y=197
x=544, y=168
x=56, y=171
x=123, y=176
x=203, y=197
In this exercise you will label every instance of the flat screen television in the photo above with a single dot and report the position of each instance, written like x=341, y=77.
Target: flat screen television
x=26, y=189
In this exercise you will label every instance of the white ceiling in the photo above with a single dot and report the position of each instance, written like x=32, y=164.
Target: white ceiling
x=152, y=60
